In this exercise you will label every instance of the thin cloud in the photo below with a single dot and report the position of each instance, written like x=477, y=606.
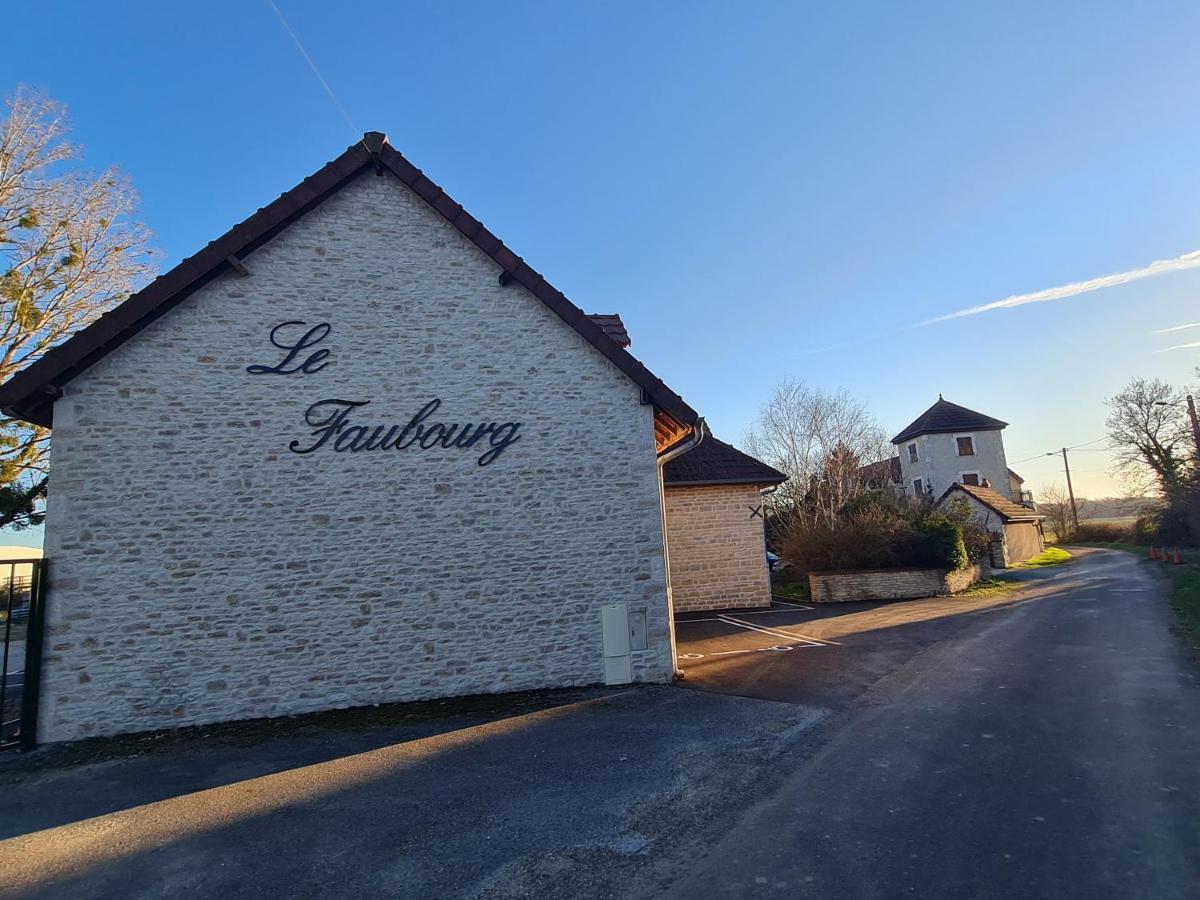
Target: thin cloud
x=1159, y=267
x=1179, y=347
x=1177, y=328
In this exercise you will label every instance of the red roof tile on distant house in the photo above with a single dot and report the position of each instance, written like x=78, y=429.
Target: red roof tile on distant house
x=884, y=472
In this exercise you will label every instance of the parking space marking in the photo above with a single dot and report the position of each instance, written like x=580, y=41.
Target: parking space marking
x=749, y=612
x=778, y=632
x=775, y=648
x=776, y=599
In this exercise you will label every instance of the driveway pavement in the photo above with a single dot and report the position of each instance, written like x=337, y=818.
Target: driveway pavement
x=1043, y=746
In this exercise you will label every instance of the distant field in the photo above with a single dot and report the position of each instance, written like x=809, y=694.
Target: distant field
x=1119, y=521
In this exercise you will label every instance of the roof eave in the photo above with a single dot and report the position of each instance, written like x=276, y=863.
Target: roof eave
x=710, y=482
x=909, y=435
x=24, y=394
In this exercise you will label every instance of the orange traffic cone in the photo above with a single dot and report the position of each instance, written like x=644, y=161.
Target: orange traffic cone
x=1178, y=557
x=1153, y=552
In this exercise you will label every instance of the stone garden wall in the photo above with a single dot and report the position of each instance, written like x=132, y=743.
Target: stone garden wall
x=890, y=584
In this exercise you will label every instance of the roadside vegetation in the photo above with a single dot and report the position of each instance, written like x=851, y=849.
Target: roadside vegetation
x=989, y=587
x=1051, y=556
x=879, y=530
x=791, y=584
x=1184, y=580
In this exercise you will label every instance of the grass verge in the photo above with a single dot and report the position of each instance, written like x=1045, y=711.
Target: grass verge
x=1051, y=556
x=792, y=590
x=1185, y=585
x=990, y=587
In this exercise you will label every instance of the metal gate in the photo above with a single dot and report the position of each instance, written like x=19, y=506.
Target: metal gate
x=22, y=608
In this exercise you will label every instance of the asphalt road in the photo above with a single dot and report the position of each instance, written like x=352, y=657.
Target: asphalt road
x=1048, y=749
x=1038, y=746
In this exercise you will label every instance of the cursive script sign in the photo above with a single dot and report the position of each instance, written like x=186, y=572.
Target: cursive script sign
x=313, y=362
x=331, y=425
x=330, y=419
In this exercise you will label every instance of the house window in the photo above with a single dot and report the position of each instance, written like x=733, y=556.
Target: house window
x=970, y=478
x=966, y=445
x=918, y=487
x=912, y=452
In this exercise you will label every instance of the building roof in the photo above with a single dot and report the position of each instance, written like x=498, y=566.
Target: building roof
x=886, y=471
x=29, y=395
x=612, y=325
x=716, y=462
x=997, y=503
x=945, y=417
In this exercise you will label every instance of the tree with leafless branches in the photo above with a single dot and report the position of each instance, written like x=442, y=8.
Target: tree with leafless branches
x=821, y=440
x=70, y=249
x=1055, y=502
x=1148, y=427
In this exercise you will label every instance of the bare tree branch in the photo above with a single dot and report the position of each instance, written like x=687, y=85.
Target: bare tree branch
x=70, y=249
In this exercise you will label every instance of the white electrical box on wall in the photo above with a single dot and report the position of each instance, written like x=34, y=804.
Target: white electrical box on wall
x=614, y=625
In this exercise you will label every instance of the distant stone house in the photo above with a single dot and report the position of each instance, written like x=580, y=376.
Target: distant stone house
x=1016, y=529
x=715, y=527
x=950, y=446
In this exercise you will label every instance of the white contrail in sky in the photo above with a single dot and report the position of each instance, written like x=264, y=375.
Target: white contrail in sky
x=1179, y=347
x=1158, y=267
x=1177, y=328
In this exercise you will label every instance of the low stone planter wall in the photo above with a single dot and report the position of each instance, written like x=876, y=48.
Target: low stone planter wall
x=890, y=584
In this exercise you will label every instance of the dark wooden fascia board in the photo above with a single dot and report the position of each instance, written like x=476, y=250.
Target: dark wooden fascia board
x=712, y=482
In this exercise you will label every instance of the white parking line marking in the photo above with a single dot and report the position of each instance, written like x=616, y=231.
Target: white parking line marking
x=775, y=599
x=776, y=648
x=751, y=612
x=778, y=632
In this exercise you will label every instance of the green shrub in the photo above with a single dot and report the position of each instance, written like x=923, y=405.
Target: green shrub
x=1145, y=529
x=941, y=543
x=878, y=533
x=1174, y=523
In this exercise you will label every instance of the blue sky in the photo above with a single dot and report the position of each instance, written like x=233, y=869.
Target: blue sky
x=761, y=190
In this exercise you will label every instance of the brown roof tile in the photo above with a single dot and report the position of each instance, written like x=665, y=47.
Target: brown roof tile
x=613, y=327
x=945, y=417
x=716, y=462
x=998, y=503
x=29, y=395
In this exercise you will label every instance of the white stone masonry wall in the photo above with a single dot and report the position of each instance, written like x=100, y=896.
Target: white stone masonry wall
x=201, y=571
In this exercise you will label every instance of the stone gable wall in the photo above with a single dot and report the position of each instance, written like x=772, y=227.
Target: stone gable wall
x=201, y=571
x=718, y=554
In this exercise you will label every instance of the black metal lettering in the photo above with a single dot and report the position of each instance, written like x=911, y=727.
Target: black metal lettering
x=324, y=429
x=314, y=362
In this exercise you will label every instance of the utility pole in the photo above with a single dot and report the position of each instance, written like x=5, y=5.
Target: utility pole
x=1071, y=490
x=1195, y=426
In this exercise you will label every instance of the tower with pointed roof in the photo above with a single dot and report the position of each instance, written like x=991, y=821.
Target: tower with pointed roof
x=950, y=444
